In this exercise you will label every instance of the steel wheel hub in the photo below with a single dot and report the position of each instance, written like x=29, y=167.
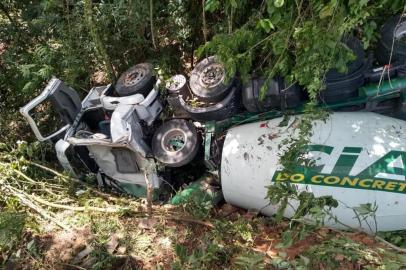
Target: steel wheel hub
x=212, y=75
x=134, y=77
x=174, y=140
x=175, y=82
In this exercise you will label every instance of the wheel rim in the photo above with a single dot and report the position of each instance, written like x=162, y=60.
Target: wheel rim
x=400, y=32
x=176, y=82
x=134, y=77
x=174, y=140
x=212, y=75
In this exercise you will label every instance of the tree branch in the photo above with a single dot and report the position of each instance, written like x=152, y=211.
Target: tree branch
x=151, y=21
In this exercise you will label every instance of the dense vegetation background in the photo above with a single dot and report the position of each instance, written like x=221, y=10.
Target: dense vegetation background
x=90, y=42
x=87, y=42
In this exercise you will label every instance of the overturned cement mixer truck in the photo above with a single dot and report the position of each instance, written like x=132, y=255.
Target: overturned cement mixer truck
x=358, y=151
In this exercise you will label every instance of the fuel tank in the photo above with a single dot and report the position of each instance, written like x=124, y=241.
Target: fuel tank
x=359, y=158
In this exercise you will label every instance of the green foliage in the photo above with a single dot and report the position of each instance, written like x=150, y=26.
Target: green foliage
x=338, y=251
x=11, y=228
x=198, y=258
x=310, y=212
x=103, y=230
x=397, y=238
x=297, y=39
x=102, y=258
x=233, y=14
x=197, y=199
x=365, y=211
x=242, y=230
x=249, y=261
x=198, y=206
x=293, y=148
x=233, y=50
x=75, y=41
x=226, y=244
x=334, y=253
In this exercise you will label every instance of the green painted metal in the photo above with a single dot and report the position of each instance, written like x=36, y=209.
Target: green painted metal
x=388, y=87
x=176, y=143
x=353, y=150
x=198, y=191
x=138, y=190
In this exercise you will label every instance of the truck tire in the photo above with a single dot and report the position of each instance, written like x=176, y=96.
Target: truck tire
x=337, y=91
x=355, y=45
x=175, y=143
x=226, y=108
x=394, y=30
x=138, y=79
x=250, y=95
x=278, y=96
x=207, y=81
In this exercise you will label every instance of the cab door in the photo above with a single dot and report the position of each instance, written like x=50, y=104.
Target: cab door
x=64, y=102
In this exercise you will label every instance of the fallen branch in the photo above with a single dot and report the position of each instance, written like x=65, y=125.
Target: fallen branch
x=376, y=237
x=101, y=194
x=26, y=177
x=73, y=179
x=48, y=169
x=390, y=245
x=32, y=181
x=76, y=208
x=36, y=208
x=204, y=223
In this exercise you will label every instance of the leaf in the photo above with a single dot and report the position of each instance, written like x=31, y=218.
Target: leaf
x=211, y=5
x=28, y=86
x=181, y=252
x=200, y=51
x=266, y=25
x=276, y=17
x=279, y=3
x=11, y=227
x=3, y=146
x=26, y=70
x=363, y=209
x=270, y=7
x=287, y=241
x=31, y=245
x=327, y=11
x=250, y=261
